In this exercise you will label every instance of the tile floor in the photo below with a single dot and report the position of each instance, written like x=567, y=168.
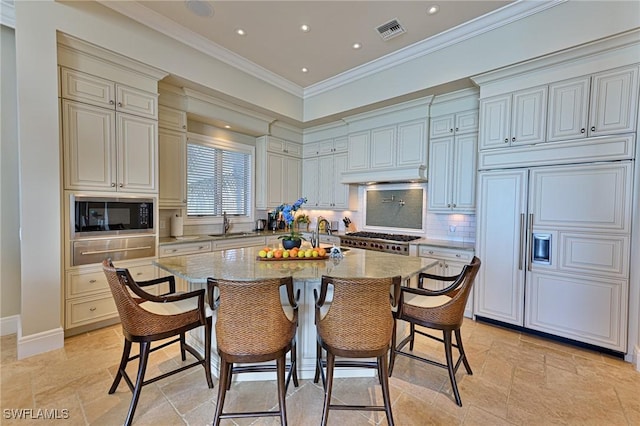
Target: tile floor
x=518, y=380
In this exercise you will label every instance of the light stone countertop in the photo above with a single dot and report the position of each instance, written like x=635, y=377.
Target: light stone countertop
x=458, y=245
x=242, y=264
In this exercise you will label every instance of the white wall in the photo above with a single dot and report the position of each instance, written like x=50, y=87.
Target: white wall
x=9, y=211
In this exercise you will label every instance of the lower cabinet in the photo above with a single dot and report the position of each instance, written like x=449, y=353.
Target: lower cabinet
x=88, y=300
x=450, y=262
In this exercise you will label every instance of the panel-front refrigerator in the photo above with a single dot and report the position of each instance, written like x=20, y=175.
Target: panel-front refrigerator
x=554, y=244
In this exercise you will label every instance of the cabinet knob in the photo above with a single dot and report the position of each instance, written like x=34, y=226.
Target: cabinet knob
x=92, y=281
x=450, y=130
x=93, y=308
x=121, y=185
x=111, y=102
x=430, y=252
x=458, y=255
x=139, y=273
x=457, y=129
x=582, y=130
x=184, y=126
x=449, y=205
x=120, y=104
x=113, y=184
x=593, y=128
x=454, y=205
x=506, y=140
x=513, y=139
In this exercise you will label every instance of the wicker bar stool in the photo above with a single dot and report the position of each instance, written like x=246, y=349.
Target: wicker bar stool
x=148, y=318
x=358, y=324
x=253, y=327
x=439, y=310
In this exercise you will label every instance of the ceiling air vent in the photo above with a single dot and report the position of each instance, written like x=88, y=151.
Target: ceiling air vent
x=390, y=30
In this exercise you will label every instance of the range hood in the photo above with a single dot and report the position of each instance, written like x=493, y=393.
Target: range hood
x=416, y=173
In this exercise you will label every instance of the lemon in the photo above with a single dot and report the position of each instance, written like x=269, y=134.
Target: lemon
x=262, y=253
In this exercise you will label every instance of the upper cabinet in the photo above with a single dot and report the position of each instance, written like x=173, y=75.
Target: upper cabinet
x=601, y=104
x=454, y=124
x=278, y=171
x=97, y=91
x=172, y=147
x=109, y=135
x=513, y=119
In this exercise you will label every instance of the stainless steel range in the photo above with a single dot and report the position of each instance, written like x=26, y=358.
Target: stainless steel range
x=389, y=243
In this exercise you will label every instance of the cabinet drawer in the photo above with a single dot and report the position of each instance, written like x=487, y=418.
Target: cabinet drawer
x=84, y=283
x=90, y=309
x=239, y=243
x=186, y=248
x=445, y=254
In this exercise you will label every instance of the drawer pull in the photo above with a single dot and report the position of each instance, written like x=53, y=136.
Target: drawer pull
x=92, y=281
x=92, y=308
x=139, y=273
x=85, y=253
x=430, y=252
x=458, y=255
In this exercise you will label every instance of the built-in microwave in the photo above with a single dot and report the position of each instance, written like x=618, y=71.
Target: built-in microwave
x=103, y=216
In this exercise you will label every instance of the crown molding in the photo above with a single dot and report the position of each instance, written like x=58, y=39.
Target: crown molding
x=489, y=22
x=157, y=22
x=194, y=94
x=8, y=13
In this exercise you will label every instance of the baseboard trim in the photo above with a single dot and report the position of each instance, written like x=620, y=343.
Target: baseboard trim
x=38, y=343
x=9, y=325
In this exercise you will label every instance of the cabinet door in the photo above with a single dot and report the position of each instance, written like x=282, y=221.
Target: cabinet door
x=87, y=88
x=529, y=116
x=440, y=174
x=502, y=203
x=495, y=121
x=614, y=102
x=325, y=147
x=310, y=184
x=466, y=122
x=464, y=173
x=412, y=143
x=441, y=126
x=172, y=147
x=325, y=181
x=291, y=179
x=340, y=190
x=383, y=147
x=89, y=147
x=173, y=119
x=568, y=109
x=274, y=177
x=359, y=151
x=137, y=154
x=136, y=102
x=310, y=150
x=341, y=144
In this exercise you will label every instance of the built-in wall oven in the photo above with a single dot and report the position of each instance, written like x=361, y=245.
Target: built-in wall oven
x=120, y=228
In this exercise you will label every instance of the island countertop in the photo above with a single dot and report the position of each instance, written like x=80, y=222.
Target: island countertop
x=242, y=264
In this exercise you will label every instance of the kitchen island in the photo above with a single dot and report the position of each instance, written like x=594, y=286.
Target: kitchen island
x=243, y=264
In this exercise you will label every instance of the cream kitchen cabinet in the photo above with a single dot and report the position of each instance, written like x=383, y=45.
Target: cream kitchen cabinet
x=172, y=119
x=108, y=151
x=93, y=90
x=399, y=145
x=278, y=171
x=450, y=262
x=322, y=174
x=172, y=146
x=181, y=249
x=601, y=104
x=325, y=147
x=513, y=119
x=454, y=124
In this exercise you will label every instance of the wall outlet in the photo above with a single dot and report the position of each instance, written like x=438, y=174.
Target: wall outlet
x=163, y=224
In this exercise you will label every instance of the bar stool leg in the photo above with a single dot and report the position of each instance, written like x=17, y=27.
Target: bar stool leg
x=327, y=392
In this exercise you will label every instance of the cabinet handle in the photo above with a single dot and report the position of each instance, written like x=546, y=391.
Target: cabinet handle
x=139, y=273
x=582, y=130
x=113, y=184
x=454, y=205
x=93, y=308
x=430, y=252
x=457, y=129
x=458, y=255
x=92, y=281
x=184, y=126
x=593, y=128
x=449, y=205
x=521, y=241
x=173, y=250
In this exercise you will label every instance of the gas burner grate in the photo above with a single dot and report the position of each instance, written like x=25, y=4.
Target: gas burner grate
x=383, y=236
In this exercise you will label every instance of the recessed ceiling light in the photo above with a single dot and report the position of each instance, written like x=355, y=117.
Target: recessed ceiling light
x=226, y=126
x=356, y=45
x=241, y=32
x=201, y=8
x=433, y=9
x=304, y=28
x=304, y=69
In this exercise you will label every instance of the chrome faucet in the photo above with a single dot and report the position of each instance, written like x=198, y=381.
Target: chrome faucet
x=225, y=222
x=315, y=235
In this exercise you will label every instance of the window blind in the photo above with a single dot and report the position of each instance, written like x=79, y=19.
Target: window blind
x=218, y=180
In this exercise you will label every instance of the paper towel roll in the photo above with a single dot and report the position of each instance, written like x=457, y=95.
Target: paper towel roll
x=176, y=226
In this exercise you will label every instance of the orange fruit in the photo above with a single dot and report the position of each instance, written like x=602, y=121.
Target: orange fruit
x=322, y=252
x=277, y=254
x=267, y=249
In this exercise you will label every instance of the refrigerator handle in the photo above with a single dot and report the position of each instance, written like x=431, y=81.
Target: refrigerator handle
x=530, y=251
x=522, y=242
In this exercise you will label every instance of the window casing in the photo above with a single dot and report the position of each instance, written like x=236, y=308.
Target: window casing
x=219, y=178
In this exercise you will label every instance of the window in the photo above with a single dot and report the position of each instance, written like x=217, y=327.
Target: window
x=218, y=178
